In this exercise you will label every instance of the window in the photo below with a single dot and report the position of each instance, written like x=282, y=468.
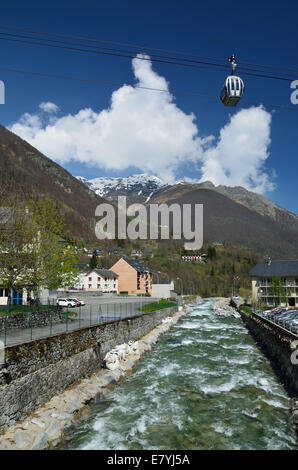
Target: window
x=3, y=292
x=98, y=279
x=114, y=286
x=98, y=286
x=89, y=286
x=90, y=279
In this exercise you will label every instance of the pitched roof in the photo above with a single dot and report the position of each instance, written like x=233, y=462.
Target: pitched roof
x=105, y=272
x=137, y=264
x=283, y=268
x=82, y=266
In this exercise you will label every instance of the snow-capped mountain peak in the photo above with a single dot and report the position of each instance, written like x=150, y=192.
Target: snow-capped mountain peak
x=140, y=186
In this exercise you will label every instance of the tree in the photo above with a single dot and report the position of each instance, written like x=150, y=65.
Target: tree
x=93, y=261
x=53, y=252
x=278, y=291
x=34, y=252
x=15, y=238
x=211, y=252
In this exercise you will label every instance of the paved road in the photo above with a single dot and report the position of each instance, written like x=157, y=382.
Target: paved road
x=97, y=310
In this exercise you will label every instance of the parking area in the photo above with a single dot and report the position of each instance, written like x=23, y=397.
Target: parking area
x=97, y=310
x=286, y=318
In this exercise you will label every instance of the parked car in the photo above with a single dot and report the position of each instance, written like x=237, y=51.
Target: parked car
x=79, y=303
x=276, y=313
x=65, y=303
x=290, y=317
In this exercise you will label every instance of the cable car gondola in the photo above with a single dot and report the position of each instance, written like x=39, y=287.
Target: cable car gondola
x=233, y=88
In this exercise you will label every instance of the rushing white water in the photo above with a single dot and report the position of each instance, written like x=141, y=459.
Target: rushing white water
x=205, y=385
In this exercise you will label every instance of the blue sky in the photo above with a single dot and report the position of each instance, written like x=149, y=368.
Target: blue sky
x=257, y=32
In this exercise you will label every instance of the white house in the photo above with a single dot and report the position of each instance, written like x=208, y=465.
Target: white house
x=102, y=280
x=162, y=289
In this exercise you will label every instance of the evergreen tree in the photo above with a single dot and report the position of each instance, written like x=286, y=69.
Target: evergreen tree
x=93, y=261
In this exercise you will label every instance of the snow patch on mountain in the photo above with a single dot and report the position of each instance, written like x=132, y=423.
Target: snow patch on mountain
x=140, y=182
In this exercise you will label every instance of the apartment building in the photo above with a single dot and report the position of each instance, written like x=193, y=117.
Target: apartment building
x=102, y=280
x=275, y=282
x=133, y=276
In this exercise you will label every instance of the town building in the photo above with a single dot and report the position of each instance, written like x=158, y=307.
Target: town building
x=101, y=280
x=136, y=254
x=162, y=288
x=275, y=282
x=133, y=276
x=191, y=258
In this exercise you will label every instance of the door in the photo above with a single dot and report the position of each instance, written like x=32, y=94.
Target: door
x=16, y=297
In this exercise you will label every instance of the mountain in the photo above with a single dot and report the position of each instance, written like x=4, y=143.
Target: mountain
x=231, y=223
x=144, y=188
x=255, y=202
x=137, y=188
x=27, y=172
x=232, y=215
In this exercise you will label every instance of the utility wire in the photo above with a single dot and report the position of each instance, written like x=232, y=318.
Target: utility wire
x=225, y=66
x=80, y=38
x=130, y=55
x=176, y=92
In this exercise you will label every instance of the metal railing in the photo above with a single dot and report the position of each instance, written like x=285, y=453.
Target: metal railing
x=21, y=327
x=286, y=328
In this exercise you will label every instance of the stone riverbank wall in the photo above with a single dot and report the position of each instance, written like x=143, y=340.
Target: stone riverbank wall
x=32, y=319
x=278, y=345
x=36, y=371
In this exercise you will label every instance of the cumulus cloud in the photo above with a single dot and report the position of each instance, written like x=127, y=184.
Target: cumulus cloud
x=49, y=107
x=239, y=155
x=147, y=130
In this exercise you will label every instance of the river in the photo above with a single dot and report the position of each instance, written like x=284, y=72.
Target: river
x=204, y=385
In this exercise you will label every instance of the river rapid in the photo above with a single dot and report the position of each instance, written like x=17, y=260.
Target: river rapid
x=204, y=385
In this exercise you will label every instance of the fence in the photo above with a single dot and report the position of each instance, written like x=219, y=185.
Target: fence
x=27, y=326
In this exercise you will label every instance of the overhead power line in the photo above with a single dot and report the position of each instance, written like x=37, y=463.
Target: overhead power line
x=131, y=55
x=142, y=47
x=112, y=83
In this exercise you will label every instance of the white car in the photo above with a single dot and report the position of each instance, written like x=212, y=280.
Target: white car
x=66, y=303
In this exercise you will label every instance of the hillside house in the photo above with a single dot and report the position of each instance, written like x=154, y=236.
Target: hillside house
x=191, y=258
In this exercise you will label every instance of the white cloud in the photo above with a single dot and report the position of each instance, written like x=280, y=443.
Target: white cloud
x=239, y=156
x=147, y=130
x=49, y=107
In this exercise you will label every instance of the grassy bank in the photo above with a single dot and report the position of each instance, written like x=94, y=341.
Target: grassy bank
x=162, y=303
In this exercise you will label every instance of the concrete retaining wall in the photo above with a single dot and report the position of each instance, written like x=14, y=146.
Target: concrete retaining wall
x=277, y=347
x=36, y=371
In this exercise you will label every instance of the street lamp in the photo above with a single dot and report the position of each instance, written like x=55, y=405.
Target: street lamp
x=181, y=285
x=234, y=285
